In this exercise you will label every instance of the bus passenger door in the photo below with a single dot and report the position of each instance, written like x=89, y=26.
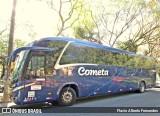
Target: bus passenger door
x=40, y=75
x=35, y=77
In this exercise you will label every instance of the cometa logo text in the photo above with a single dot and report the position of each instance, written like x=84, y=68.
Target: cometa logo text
x=88, y=72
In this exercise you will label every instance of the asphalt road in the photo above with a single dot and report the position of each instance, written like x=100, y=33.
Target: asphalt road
x=151, y=98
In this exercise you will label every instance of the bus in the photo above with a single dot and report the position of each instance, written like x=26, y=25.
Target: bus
x=59, y=69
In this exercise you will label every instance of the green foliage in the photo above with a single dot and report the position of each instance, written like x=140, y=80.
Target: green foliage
x=4, y=44
x=84, y=27
x=128, y=45
x=83, y=33
x=4, y=50
x=19, y=43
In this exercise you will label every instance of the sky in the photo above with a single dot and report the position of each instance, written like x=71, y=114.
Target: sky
x=5, y=8
x=31, y=13
x=31, y=16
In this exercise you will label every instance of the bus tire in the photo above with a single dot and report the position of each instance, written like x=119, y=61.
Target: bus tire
x=67, y=97
x=141, y=87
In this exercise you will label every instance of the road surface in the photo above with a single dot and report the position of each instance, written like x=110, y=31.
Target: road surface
x=151, y=98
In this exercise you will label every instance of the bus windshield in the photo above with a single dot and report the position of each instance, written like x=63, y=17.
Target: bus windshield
x=19, y=59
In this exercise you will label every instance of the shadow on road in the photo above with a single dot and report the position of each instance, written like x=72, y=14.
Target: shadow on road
x=79, y=101
x=48, y=107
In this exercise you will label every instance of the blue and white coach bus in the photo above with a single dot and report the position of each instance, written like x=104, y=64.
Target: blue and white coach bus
x=65, y=69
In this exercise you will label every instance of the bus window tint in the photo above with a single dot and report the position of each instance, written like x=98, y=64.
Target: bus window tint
x=56, y=44
x=79, y=53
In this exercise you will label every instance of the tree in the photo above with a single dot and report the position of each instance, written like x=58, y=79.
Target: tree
x=67, y=13
x=147, y=32
x=2, y=63
x=84, y=28
x=10, y=49
x=128, y=45
x=107, y=26
x=19, y=43
x=112, y=23
x=1, y=32
x=4, y=49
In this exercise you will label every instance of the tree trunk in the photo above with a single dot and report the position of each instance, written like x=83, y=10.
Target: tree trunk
x=10, y=49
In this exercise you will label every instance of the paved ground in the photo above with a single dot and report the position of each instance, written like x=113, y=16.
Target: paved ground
x=151, y=98
x=2, y=104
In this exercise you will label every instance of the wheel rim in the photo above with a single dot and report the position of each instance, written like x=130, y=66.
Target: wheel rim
x=67, y=97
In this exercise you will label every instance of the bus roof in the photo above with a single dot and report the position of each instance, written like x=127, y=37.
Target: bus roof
x=100, y=46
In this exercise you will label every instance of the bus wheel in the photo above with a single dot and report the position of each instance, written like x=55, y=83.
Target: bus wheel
x=67, y=97
x=141, y=87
